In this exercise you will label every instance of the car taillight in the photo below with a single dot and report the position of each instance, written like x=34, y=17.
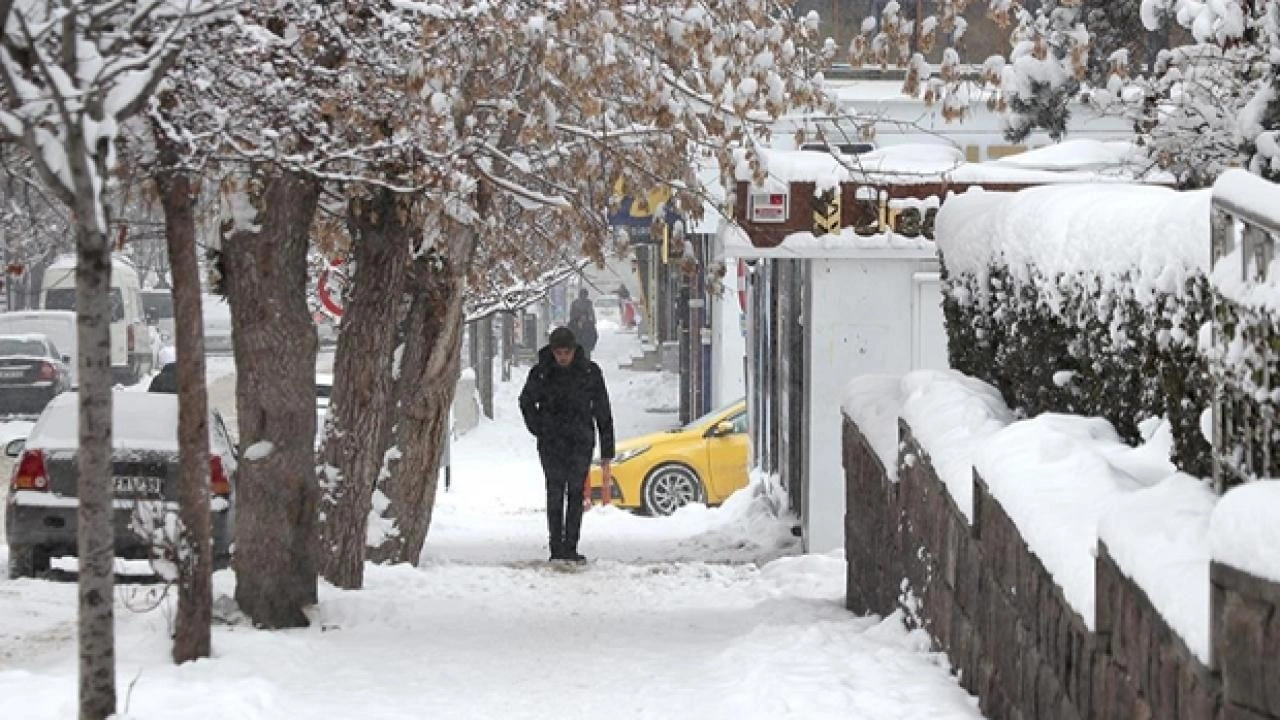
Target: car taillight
x=218, y=482
x=129, y=337
x=30, y=474
x=48, y=372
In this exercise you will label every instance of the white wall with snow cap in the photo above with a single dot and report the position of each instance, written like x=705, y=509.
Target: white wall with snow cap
x=728, y=325
x=877, y=314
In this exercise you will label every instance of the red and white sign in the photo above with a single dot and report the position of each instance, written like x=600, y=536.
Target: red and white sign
x=768, y=207
x=330, y=286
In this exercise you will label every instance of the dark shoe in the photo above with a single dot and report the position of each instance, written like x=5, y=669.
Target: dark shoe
x=574, y=556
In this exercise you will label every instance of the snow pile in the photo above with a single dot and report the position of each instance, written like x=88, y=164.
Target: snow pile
x=951, y=415
x=1159, y=538
x=1244, y=531
x=873, y=403
x=767, y=671
x=1055, y=476
x=749, y=521
x=1070, y=230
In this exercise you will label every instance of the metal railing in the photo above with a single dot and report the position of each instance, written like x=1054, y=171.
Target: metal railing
x=1244, y=419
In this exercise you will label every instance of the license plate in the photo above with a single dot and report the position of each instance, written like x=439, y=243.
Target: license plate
x=137, y=485
x=12, y=373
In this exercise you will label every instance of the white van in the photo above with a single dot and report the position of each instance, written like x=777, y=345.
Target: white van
x=57, y=325
x=132, y=350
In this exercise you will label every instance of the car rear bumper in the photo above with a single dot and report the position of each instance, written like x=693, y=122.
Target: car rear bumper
x=26, y=399
x=53, y=527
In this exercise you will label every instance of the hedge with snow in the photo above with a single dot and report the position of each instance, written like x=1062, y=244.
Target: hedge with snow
x=1084, y=299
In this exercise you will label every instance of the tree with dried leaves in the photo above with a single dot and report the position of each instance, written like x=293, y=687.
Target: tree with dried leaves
x=72, y=73
x=545, y=109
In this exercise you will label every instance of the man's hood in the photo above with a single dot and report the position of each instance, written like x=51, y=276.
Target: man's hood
x=548, y=358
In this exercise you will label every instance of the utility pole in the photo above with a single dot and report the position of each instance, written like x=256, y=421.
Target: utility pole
x=835, y=21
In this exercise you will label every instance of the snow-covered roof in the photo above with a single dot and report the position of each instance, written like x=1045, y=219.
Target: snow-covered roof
x=1081, y=154
x=847, y=244
x=928, y=163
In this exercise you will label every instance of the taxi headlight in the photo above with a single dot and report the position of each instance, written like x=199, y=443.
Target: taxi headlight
x=626, y=455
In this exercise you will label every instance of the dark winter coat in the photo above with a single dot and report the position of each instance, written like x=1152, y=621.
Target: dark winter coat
x=564, y=406
x=166, y=381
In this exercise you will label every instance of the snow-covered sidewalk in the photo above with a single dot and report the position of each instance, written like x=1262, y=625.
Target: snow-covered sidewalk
x=706, y=614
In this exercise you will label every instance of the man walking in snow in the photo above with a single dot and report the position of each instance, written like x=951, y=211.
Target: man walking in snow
x=582, y=322
x=564, y=403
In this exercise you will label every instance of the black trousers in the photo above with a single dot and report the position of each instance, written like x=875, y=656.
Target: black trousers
x=565, y=468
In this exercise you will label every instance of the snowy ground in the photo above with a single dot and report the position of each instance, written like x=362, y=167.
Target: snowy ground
x=706, y=614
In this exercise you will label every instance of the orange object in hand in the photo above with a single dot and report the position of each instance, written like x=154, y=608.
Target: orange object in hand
x=606, y=479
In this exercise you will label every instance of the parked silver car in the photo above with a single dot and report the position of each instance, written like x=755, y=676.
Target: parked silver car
x=32, y=372
x=41, y=510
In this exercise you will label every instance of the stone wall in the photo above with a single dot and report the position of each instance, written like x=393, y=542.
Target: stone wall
x=1012, y=638
x=1245, y=635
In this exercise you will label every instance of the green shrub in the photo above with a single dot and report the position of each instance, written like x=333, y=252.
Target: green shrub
x=1085, y=347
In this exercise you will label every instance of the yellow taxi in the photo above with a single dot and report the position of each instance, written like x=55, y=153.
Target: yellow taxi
x=704, y=461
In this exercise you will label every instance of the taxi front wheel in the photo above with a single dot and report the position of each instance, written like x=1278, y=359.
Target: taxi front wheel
x=669, y=487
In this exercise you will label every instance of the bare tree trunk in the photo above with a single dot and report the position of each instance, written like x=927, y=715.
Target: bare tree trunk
x=95, y=534
x=195, y=585
x=275, y=352
x=357, y=432
x=429, y=371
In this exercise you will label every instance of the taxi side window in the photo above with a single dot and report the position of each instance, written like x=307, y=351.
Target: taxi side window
x=739, y=422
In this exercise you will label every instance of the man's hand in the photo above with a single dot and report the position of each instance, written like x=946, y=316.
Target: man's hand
x=606, y=479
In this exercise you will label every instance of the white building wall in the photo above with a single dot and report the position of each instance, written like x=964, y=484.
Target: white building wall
x=728, y=343
x=866, y=316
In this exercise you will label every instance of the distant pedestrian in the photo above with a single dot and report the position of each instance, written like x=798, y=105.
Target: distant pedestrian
x=166, y=381
x=628, y=307
x=565, y=403
x=582, y=322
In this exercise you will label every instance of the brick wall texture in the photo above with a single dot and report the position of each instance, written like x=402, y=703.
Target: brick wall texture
x=1012, y=638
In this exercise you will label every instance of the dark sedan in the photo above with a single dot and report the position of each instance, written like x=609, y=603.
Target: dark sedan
x=32, y=372
x=41, y=510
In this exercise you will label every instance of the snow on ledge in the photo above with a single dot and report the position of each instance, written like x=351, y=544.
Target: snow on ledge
x=873, y=403
x=950, y=415
x=1055, y=476
x=1159, y=538
x=846, y=244
x=1244, y=531
x=1250, y=193
x=931, y=163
